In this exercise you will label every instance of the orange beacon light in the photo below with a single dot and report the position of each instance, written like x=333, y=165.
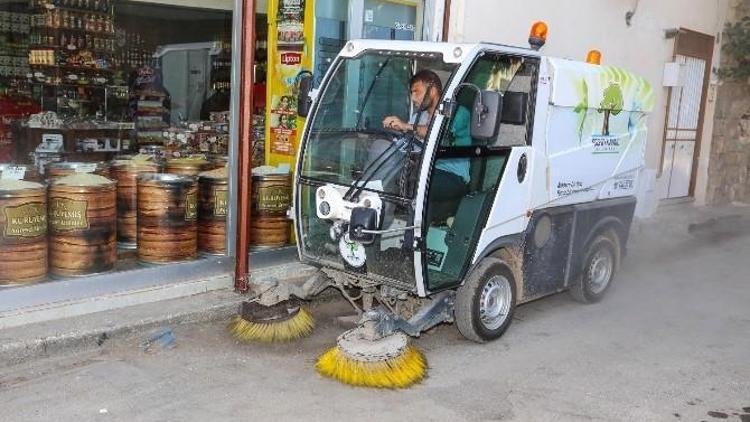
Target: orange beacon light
x=594, y=57
x=538, y=35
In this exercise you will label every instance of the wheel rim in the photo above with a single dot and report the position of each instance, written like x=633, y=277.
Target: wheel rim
x=600, y=270
x=494, y=303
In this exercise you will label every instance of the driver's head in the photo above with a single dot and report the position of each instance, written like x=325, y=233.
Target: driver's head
x=426, y=89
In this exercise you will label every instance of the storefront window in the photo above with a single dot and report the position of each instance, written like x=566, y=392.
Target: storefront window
x=114, y=137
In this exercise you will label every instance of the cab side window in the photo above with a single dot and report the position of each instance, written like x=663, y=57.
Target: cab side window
x=518, y=101
x=514, y=77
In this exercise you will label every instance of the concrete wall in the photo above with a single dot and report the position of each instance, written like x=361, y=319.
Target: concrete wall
x=577, y=26
x=729, y=167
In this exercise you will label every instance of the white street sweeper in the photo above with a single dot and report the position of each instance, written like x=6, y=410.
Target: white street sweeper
x=443, y=182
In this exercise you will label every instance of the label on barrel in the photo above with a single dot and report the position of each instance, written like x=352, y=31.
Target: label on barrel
x=191, y=206
x=273, y=199
x=86, y=168
x=13, y=173
x=68, y=214
x=27, y=220
x=220, y=203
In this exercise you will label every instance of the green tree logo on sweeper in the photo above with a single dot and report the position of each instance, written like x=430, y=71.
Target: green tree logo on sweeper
x=611, y=104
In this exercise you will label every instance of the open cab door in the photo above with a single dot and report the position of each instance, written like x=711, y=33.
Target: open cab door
x=480, y=139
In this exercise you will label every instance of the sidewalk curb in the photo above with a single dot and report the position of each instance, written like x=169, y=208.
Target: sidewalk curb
x=89, y=332
x=76, y=341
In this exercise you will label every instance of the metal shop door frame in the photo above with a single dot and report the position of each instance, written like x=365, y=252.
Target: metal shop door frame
x=686, y=106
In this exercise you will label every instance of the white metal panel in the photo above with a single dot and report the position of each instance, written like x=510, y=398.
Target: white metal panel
x=511, y=204
x=583, y=164
x=576, y=84
x=540, y=189
x=682, y=167
x=667, y=167
x=674, y=74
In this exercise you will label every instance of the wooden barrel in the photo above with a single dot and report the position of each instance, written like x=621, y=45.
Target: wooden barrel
x=167, y=217
x=218, y=161
x=125, y=170
x=212, y=212
x=28, y=171
x=82, y=224
x=187, y=166
x=271, y=198
x=23, y=232
x=61, y=169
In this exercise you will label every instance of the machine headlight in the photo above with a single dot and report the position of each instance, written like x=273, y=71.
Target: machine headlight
x=324, y=207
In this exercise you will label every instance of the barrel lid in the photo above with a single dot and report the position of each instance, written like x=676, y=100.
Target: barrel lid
x=71, y=165
x=217, y=157
x=165, y=178
x=273, y=176
x=217, y=173
x=135, y=160
x=82, y=180
x=188, y=162
x=8, y=185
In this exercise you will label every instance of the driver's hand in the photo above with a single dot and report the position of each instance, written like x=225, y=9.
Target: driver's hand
x=393, y=122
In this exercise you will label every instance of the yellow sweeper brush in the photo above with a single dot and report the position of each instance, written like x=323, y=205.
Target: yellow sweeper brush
x=387, y=362
x=282, y=322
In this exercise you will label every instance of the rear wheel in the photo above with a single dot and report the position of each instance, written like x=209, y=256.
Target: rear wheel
x=599, y=267
x=485, y=302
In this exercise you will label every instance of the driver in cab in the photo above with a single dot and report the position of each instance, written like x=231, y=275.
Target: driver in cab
x=450, y=176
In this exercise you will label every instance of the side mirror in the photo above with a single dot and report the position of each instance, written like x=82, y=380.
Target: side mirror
x=304, y=102
x=486, y=114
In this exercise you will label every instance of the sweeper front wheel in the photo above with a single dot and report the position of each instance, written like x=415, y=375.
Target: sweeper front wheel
x=485, y=302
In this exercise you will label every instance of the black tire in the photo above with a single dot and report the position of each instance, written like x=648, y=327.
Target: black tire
x=489, y=273
x=602, y=255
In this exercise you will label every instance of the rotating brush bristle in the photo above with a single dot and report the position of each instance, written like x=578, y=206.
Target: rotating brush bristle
x=278, y=323
x=384, y=363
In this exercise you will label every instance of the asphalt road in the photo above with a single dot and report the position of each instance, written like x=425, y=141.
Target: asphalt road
x=670, y=342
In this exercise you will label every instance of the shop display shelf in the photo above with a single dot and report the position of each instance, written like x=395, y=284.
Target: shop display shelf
x=86, y=85
x=71, y=68
x=109, y=34
x=111, y=126
x=67, y=85
x=151, y=113
x=151, y=128
x=52, y=7
x=57, y=47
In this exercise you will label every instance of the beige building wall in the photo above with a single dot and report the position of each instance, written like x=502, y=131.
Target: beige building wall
x=576, y=26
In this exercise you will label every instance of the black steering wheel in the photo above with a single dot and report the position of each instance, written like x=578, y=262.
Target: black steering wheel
x=391, y=134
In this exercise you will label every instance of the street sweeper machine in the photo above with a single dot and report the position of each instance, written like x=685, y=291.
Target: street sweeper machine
x=449, y=183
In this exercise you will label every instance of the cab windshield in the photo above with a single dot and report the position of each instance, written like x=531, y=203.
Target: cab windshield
x=347, y=142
